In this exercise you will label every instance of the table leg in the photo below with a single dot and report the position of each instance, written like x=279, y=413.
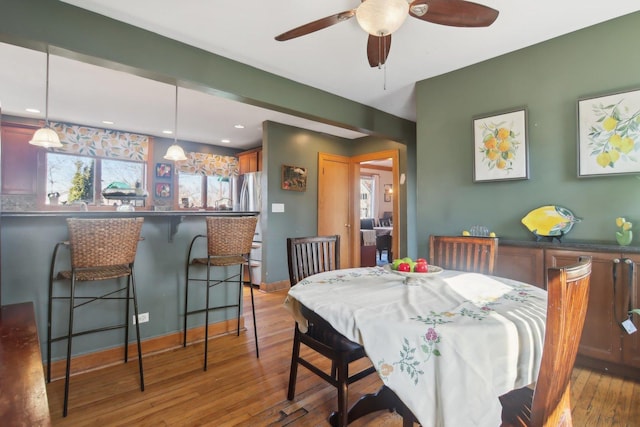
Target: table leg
x=383, y=399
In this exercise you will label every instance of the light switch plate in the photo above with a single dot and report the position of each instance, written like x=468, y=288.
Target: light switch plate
x=277, y=207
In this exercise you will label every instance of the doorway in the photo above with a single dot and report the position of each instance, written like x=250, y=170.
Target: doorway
x=381, y=170
x=341, y=215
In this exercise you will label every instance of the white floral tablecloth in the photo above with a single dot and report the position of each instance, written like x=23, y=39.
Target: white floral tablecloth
x=448, y=345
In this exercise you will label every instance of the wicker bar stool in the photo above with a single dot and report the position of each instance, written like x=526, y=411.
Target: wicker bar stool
x=229, y=241
x=101, y=249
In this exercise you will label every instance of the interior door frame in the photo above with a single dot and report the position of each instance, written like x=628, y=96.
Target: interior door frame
x=355, y=161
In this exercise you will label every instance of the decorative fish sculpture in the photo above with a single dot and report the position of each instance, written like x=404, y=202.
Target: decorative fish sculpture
x=550, y=222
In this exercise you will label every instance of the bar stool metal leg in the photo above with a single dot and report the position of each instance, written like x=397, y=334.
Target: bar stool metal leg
x=69, y=340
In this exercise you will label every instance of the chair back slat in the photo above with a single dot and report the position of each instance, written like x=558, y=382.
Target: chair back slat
x=103, y=242
x=568, y=298
x=311, y=255
x=230, y=235
x=464, y=253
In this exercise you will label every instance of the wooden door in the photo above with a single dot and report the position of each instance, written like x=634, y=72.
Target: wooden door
x=630, y=295
x=601, y=335
x=334, y=201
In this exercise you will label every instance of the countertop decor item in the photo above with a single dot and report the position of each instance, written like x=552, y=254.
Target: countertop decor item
x=550, y=222
x=624, y=235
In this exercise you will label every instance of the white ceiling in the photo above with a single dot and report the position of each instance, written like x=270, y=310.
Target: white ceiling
x=332, y=59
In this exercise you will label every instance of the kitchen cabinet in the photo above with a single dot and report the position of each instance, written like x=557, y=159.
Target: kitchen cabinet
x=604, y=344
x=19, y=160
x=250, y=161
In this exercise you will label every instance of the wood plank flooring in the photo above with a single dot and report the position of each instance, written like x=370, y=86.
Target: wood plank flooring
x=240, y=390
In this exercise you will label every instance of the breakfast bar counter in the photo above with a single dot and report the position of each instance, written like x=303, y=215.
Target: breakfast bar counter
x=28, y=241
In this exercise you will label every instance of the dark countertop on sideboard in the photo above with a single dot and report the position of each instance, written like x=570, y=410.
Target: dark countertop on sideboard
x=594, y=246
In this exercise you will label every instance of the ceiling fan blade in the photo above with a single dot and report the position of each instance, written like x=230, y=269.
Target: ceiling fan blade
x=378, y=49
x=316, y=25
x=454, y=13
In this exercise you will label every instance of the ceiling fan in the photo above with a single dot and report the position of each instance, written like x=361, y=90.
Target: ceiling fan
x=380, y=18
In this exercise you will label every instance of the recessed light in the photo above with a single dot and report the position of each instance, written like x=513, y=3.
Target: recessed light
x=167, y=132
x=108, y=122
x=226, y=141
x=32, y=110
x=239, y=126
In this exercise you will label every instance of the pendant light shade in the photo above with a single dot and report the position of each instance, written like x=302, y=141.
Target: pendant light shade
x=46, y=137
x=175, y=152
x=382, y=17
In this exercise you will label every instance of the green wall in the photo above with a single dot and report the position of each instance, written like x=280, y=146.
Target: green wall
x=548, y=79
x=286, y=145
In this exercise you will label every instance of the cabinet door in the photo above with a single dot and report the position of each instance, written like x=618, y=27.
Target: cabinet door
x=630, y=343
x=248, y=162
x=601, y=334
x=521, y=263
x=19, y=161
x=244, y=163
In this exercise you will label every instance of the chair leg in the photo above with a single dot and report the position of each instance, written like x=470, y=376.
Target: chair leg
x=69, y=339
x=135, y=310
x=293, y=374
x=253, y=309
x=206, y=318
x=49, y=315
x=126, y=320
x=240, y=283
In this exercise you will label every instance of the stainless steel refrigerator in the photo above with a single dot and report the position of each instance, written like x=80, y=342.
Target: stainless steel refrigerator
x=247, y=196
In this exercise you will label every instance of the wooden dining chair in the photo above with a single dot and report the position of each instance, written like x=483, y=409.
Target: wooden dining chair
x=548, y=404
x=464, y=253
x=307, y=256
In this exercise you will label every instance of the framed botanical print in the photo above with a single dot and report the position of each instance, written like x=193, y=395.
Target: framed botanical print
x=609, y=134
x=500, y=146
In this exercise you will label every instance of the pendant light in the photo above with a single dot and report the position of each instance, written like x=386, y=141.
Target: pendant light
x=175, y=152
x=46, y=137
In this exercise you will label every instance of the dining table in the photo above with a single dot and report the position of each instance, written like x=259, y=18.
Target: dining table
x=447, y=343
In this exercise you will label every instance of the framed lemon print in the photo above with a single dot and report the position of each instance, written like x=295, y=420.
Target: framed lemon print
x=609, y=134
x=500, y=146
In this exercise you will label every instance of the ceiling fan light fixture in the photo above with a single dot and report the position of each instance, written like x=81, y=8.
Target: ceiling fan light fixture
x=382, y=17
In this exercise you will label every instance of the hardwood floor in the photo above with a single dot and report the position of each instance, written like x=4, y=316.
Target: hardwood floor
x=240, y=390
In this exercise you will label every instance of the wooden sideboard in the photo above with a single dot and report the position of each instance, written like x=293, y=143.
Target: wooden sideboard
x=604, y=345
x=23, y=391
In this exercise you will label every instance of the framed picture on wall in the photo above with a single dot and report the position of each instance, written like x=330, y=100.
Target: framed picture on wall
x=500, y=146
x=294, y=178
x=388, y=192
x=609, y=134
x=164, y=170
x=163, y=190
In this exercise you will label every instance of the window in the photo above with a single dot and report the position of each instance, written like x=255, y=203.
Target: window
x=200, y=191
x=73, y=178
x=367, y=194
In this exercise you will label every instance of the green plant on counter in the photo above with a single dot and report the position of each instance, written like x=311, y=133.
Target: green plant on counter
x=624, y=235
